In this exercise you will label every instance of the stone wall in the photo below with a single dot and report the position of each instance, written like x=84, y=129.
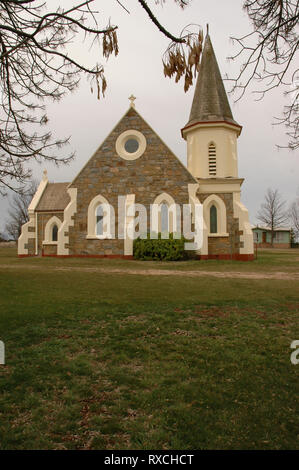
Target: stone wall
x=225, y=245
x=49, y=250
x=106, y=173
x=30, y=245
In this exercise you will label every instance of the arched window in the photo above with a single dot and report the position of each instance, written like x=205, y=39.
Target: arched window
x=54, y=233
x=212, y=160
x=213, y=219
x=164, y=218
x=51, y=230
x=165, y=214
x=214, y=212
x=100, y=220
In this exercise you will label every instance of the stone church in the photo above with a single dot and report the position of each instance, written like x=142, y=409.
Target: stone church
x=135, y=166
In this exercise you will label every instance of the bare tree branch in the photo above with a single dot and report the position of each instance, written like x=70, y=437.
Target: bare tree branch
x=182, y=56
x=269, y=53
x=36, y=66
x=294, y=217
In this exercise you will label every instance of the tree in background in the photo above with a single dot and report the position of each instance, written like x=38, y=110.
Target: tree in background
x=273, y=212
x=294, y=218
x=18, y=214
x=36, y=65
x=292, y=238
x=270, y=57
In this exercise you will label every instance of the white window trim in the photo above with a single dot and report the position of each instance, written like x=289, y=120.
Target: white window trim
x=92, y=219
x=121, y=140
x=164, y=198
x=48, y=230
x=214, y=200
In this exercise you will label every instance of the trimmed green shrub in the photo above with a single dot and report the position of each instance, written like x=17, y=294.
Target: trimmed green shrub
x=159, y=249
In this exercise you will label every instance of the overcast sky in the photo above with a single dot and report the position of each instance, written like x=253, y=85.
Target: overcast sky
x=163, y=103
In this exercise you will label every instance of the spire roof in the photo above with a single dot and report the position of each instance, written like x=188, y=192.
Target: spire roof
x=210, y=101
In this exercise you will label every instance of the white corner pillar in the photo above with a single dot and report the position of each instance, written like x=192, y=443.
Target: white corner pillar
x=241, y=213
x=68, y=221
x=29, y=229
x=129, y=223
x=201, y=225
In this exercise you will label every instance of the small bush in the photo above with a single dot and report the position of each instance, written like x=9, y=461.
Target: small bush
x=159, y=249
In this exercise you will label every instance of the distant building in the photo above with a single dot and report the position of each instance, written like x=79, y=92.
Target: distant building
x=262, y=236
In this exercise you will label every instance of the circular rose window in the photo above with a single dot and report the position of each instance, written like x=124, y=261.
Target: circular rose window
x=130, y=145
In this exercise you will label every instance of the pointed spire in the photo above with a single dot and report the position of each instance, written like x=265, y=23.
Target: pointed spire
x=210, y=101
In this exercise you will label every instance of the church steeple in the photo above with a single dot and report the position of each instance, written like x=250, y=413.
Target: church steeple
x=210, y=101
x=211, y=131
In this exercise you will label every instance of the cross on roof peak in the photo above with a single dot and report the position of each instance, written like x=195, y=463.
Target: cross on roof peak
x=132, y=98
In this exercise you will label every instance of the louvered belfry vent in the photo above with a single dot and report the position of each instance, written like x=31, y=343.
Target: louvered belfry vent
x=212, y=160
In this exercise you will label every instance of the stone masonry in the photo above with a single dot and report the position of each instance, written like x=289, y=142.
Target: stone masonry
x=230, y=245
x=158, y=170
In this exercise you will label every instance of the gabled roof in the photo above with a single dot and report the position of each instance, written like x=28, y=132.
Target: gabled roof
x=54, y=198
x=128, y=121
x=210, y=102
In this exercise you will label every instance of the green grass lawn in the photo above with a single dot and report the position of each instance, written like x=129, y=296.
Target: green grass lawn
x=267, y=261
x=120, y=361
